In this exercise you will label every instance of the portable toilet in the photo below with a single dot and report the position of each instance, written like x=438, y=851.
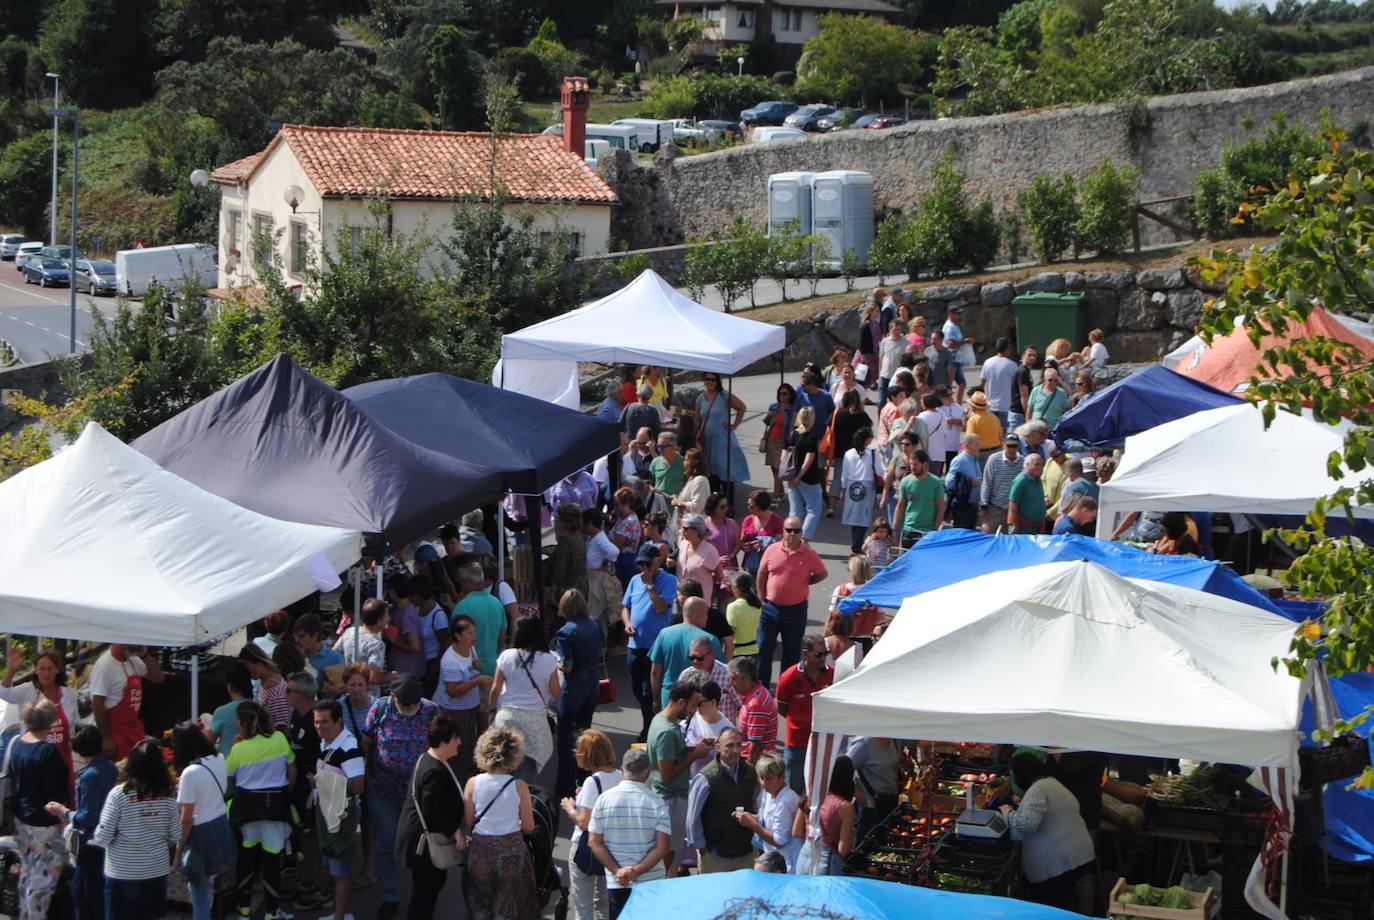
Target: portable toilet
x=842, y=213
x=789, y=199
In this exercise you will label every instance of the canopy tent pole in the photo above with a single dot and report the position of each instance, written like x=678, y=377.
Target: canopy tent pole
x=501, y=541
x=727, y=485
x=195, y=684
x=357, y=609
x=381, y=577
x=534, y=517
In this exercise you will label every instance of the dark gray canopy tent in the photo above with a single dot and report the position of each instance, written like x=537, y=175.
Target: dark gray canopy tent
x=284, y=443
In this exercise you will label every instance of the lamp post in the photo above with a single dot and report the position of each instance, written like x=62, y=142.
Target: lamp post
x=75, y=116
x=52, y=236
x=740, y=62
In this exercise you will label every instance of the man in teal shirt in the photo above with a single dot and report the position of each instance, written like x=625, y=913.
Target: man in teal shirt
x=1026, y=506
x=670, y=760
x=672, y=650
x=669, y=476
x=486, y=611
x=920, y=502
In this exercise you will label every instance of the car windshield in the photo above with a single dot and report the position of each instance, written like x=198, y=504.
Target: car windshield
x=54, y=263
x=102, y=267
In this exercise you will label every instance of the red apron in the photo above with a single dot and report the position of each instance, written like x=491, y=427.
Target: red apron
x=61, y=735
x=125, y=726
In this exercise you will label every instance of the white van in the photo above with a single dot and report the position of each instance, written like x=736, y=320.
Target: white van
x=622, y=137
x=766, y=133
x=170, y=265
x=652, y=133
x=592, y=150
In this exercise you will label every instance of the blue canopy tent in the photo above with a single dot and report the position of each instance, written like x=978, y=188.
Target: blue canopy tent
x=750, y=895
x=1138, y=403
x=533, y=442
x=282, y=442
x=947, y=556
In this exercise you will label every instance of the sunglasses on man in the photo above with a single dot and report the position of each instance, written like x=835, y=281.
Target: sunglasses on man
x=792, y=530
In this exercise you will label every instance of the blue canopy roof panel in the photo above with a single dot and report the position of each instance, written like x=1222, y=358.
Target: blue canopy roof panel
x=1138, y=403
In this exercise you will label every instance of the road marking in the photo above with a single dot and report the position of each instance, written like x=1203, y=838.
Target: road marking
x=28, y=289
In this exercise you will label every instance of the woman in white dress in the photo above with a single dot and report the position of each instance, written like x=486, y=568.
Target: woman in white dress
x=861, y=472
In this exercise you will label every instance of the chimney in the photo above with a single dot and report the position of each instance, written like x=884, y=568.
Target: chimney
x=577, y=96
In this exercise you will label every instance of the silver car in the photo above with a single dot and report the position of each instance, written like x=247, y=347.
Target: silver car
x=96, y=276
x=9, y=244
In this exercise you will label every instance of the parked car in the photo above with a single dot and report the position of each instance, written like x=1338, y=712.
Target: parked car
x=844, y=119
x=46, y=272
x=687, y=133
x=9, y=245
x=96, y=276
x=721, y=129
x=772, y=112
x=808, y=116
x=26, y=251
x=770, y=133
x=61, y=252
x=885, y=121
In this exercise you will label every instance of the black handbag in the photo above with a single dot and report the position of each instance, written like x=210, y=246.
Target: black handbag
x=583, y=857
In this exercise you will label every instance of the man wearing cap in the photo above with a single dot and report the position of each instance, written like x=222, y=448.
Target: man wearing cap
x=999, y=472
x=962, y=482
x=399, y=728
x=954, y=340
x=983, y=422
x=646, y=608
x=1026, y=506
x=629, y=831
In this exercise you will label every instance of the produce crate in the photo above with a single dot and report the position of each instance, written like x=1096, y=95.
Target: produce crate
x=1246, y=820
x=973, y=866
x=1168, y=813
x=1347, y=757
x=1202, y=905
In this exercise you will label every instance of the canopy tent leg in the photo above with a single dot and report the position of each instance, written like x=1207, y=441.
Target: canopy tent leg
x=1283, y=883
x=534, y=516
x=357, y=610
x=381, y=578
x=501, y=541
x=195, y=684
x=727, y=485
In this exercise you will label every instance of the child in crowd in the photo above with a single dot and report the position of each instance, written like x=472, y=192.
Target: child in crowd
x=878, y=546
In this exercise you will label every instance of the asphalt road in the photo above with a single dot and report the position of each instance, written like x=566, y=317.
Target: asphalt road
x=36, y=320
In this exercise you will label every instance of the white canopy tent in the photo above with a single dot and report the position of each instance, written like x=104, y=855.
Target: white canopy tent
x=645, y=322
x=1071, y=655
x=1225, y=460
x=101, y=544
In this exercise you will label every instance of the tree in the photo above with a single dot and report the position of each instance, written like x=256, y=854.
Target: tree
x=103, y=49
x=1050, y=210
x=1108, y=208
x=25, y=173
x=822, y=254
x=861, y=59
x=889, y=252
x=786, y=254
x=1324, y=216
x=975, y=77
x=454, y=71
x=33, y=443
x=187, y=27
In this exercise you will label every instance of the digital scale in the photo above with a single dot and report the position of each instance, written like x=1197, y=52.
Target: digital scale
x=980, y=823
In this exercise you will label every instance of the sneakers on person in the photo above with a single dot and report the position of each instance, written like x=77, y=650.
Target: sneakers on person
x=309, y=899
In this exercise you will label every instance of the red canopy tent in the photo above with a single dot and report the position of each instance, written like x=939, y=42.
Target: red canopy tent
x=1230, y=362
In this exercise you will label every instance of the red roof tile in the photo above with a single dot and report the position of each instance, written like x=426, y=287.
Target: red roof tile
x=355, y=162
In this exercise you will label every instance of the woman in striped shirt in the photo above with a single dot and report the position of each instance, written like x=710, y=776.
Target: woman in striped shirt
x=138, y=827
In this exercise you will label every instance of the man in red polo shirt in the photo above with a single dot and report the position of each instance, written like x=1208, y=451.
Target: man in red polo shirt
x=795, y=686
x=787, y=571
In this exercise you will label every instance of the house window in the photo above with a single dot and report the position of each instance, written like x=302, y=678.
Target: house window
x=572, y=237
x=746, y=19
x=784, y=26
x=296, y=255
x=233, y=221
x=262, y=239
x=355, y=241
x=575, y=242
x=796, y=20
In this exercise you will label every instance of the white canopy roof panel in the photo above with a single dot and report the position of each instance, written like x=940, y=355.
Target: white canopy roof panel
x=101, y=544
x=1225, y=460
x=1071, y=655
x=648, y=322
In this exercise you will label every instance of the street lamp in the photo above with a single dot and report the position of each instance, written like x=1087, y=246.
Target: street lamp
x=740, y=62
x=75, y=115
x=52, y=236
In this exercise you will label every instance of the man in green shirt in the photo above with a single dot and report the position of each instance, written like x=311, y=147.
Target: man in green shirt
x=667, y=466
x=670, y=761
x=920, y=501
x=1026, y=506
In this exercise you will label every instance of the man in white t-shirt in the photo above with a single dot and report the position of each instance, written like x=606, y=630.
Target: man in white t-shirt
x=934, y=420
x=365, y=646
x=954, y=340
x=604, y=589
x=340, y=755
x=999, y=377
x=116, y=682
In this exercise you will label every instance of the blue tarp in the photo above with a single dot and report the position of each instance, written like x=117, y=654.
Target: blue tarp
x=750, y=895
x=947, y=556
x=535, y=443
x=1138, y=403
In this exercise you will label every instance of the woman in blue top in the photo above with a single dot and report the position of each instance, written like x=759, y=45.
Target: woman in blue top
x=718, y=415
x=580, y=649
x=39, y=776
x=93, y=786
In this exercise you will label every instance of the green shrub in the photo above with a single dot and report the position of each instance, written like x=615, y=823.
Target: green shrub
x=784, y=78
x=1108, y=208
x=671, y=97
x=851, y=267
x=1215, y=202
x=1011, y=233
x=1261, y=165
x=947, y=233
x=1050, y=210
x=632, y=266
x=888, y=253
x=982, y=236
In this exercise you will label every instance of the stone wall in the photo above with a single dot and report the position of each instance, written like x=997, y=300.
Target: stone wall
x=1145, y=314
x=700, y=196
x=667, y=261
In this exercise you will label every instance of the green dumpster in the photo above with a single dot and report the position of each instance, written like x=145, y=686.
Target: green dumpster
x=1042, y=317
